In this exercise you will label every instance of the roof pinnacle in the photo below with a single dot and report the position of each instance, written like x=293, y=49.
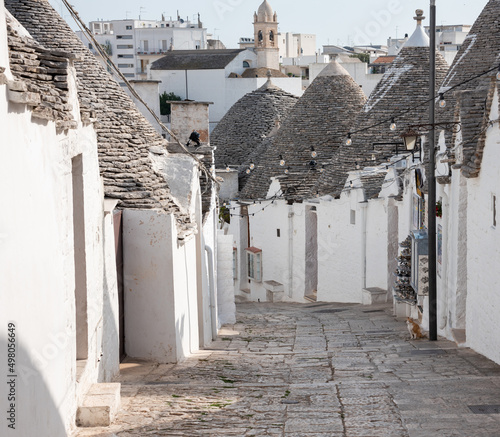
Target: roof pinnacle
x=420, y=16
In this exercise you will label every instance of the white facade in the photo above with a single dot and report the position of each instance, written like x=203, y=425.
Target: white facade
x=44, y=252
x=468, y=250
x=282, y=256
x=160, y=289
x=226, y=307
x=134, y=44
x=394, y=45
x=216, y=86
x=293, y=45
x=469, y=278
x=148, y=91
x=449, y=39
x=58, y=266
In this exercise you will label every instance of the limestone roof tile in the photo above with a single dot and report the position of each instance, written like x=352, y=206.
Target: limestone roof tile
x=262, y=72
x=403, y=90
x=124, y=136
x=41, y=77
x=372, y=183
x=320, y=119
x=470, y=103
x=243, y=134
x=196, y=59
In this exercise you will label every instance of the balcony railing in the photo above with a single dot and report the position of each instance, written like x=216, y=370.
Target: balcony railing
x=151, y=52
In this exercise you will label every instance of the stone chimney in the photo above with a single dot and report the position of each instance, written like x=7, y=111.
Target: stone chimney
x=189, y=116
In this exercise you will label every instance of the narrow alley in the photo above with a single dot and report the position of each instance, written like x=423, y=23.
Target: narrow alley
x=313, y=370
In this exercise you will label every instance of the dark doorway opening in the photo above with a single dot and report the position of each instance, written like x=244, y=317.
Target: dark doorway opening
x=118, y=225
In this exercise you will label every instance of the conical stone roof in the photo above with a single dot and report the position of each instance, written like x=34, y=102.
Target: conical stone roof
x=241, y=137
x=320, y=119
x=470, y=103
x=404, y=86
x=124, y=136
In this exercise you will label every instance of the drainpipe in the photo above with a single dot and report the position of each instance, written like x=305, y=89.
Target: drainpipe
x=290, y=250
x=213, y=299
x=363, y=206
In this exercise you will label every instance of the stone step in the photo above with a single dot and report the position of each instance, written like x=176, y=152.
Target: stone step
x=311, y=297
x=374, y=295
x=240, y=299
x=460, y=336
x=99, y=405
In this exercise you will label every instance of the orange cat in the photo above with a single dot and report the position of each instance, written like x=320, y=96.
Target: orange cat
x=414, y=329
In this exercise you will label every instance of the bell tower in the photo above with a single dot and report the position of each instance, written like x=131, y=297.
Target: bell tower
x=266, y=37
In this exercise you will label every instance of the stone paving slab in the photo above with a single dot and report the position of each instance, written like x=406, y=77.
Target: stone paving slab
x=317, y=370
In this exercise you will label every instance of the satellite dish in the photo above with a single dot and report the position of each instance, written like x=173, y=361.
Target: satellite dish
x=181, y=20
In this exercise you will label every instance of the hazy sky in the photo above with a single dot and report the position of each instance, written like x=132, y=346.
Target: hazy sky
x=347, y=22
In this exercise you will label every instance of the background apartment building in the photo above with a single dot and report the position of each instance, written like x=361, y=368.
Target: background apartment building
x=134, y=44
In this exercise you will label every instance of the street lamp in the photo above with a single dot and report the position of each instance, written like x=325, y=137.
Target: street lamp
x=410, y=138
x=431, y=177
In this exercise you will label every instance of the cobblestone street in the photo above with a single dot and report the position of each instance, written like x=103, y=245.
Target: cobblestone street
x=312, y=370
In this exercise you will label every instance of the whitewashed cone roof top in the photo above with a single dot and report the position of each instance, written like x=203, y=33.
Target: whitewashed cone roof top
x=405, y=85
x=124, y=136
x=320, y=119
x=241, y=137
x=419, y=38
x=471, y=102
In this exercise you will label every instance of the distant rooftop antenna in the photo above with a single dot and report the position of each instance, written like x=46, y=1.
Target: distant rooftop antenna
x=141, y=10
x=126, y=14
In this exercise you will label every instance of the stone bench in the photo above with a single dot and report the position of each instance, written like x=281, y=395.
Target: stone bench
x=374, y=295
x=275, y=291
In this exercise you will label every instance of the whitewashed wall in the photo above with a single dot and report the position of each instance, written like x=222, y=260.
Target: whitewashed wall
x=452, y=274
x=468, y=277
x=37, y=266
x=210, y=274
x=340, y=259
x=340, y=270
x=238, y=229
x=225, y=290
x=214, y=86
x=149, y=92
x=276, y=253
x=202, y=86
x=229, y=186
x=160, y=282
x=236, y=65
x=109, y=363
x=483, y=251
x=377, y=243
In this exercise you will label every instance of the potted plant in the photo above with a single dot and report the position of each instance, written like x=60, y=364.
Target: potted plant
x=439, y=209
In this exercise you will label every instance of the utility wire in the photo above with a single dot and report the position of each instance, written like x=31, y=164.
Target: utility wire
x=376, y=170
x=208, y=173
x=105, y=56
